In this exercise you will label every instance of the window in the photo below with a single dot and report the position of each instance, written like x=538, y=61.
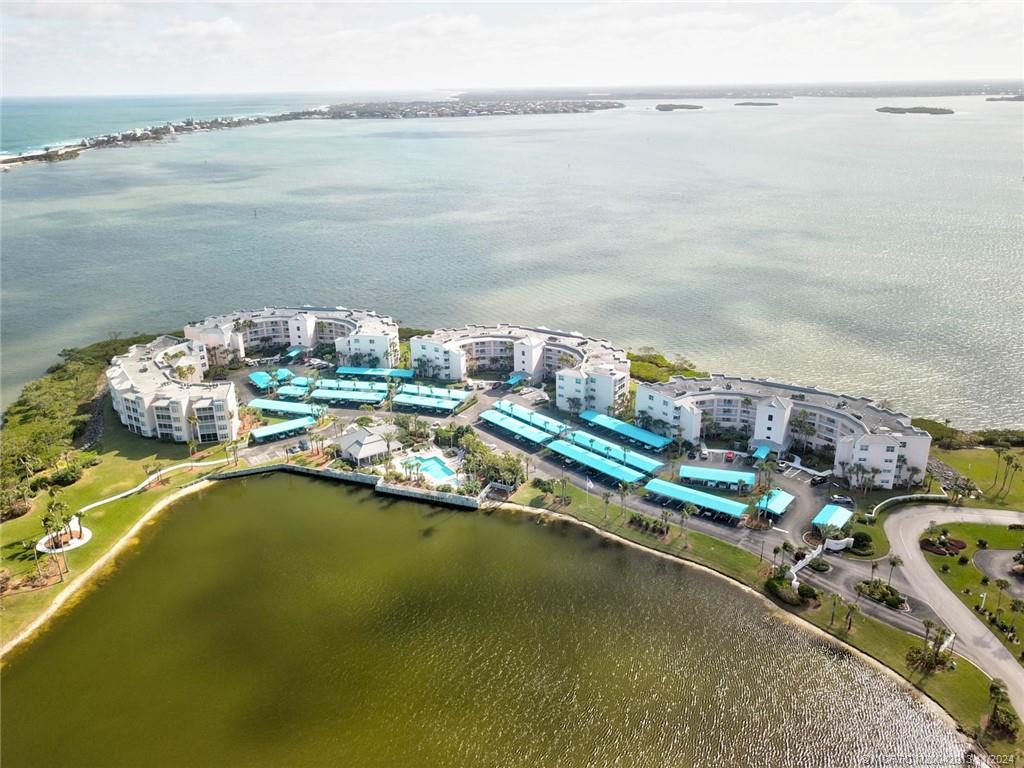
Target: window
x=771, y=417
x=890, y=449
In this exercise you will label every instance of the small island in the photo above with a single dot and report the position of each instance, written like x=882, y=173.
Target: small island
x=915, y=110
x=756, y=104
x=674, y=107
x=1014, y=97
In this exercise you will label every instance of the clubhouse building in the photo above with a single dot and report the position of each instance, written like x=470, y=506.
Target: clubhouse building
x=359, y=337
x=872, y=445
x=157, y=391
x=589, y=374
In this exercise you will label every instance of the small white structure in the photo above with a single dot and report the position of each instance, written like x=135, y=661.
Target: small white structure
x=361, y=444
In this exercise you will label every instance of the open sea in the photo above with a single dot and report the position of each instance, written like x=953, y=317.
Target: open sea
x=817, y=241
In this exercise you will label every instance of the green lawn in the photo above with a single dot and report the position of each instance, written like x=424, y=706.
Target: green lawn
x=962, y=692
x=965, y=580
x=122, y=458
x=979, y=464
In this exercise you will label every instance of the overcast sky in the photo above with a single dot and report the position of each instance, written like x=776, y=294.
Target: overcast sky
x=156, y=48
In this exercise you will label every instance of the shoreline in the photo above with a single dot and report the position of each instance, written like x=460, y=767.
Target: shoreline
x=79, y=586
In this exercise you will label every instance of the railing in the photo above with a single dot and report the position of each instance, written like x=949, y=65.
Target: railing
x=155, y=476
x=912, y=498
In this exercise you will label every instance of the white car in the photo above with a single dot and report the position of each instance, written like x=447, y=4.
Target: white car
x=846, y=501
x=782, y=465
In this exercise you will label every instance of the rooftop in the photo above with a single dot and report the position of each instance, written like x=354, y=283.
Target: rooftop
x=367, y=321
x=149, y=368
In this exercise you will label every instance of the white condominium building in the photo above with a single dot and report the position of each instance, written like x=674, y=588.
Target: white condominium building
x=156, y=390
x=872, y=445
x=359, y=337
x=588, y=373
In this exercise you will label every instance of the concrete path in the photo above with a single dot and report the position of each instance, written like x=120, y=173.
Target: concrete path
x=975, y=641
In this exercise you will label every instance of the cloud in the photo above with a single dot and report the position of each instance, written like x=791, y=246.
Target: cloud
x=204, y=36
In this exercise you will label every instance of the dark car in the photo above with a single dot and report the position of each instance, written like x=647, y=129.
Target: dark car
x=691, y=455
x=819, y=480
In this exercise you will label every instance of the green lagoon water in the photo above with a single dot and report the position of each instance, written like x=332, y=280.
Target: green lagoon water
x=818, y=241
x=288, y=622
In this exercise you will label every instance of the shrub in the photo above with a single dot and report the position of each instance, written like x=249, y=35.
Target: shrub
x=963, y=560
x=444, y=488
x=783, y=590
x=862, y=540
x=66, y=475
x=807, y=592
x=818, y=564
x=984, y=580
x=982, y=543
x=894, y=601
x=543, y=485
x=945, y=568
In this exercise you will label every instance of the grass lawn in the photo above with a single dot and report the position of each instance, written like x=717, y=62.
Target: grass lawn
x=962, y=692
x=968, y=577
x=122, y=458
x=979, y=464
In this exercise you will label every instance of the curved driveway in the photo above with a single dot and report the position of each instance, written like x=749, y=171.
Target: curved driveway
x=975, y=640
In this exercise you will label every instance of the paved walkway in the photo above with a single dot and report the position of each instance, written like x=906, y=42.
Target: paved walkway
x=904, y=527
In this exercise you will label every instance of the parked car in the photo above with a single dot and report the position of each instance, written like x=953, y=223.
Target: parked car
x=845, y=501
x=303, y=445
x=782, y=465
x=730, y=456
x=692, y=454
x=436, y=425
x=819, y=480
x=541, y=400
x=704, y=453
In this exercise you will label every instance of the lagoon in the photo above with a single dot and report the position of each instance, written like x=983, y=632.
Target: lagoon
x=818, y=241
x=286, y=621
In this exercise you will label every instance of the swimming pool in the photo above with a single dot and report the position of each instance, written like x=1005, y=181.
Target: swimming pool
x=435, y=469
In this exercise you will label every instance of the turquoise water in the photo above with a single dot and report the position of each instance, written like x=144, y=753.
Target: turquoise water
x=435, y=469
x=285, y=622
x=817, y=241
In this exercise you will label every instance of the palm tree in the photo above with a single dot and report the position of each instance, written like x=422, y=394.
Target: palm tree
x=624, y=490
x=28, y=544
x=775, y=554
x=851, y=609
x=836, y=599
x=688, y=511
x=874, y=568
x=928, y=626
x=894, y=562
x=606, y=496
x=999, y=450
x=997, y=693
x=1002, y=585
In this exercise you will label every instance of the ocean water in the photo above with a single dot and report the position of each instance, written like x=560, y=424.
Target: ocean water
x=818, y=241
x=310, y=624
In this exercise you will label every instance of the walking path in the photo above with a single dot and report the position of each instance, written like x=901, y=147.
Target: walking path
x=975, y=640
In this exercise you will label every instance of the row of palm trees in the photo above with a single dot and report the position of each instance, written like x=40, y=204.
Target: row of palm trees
x=1008, y=466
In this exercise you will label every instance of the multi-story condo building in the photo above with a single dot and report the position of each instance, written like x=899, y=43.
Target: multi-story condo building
x=872, y=445
x=588, y=373
x=157, y=391
x=359, y=337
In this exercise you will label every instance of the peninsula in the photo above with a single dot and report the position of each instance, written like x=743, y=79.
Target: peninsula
x=915, y=110
x=388, y=110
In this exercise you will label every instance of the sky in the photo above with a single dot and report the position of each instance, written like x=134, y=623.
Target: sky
x=77, y=49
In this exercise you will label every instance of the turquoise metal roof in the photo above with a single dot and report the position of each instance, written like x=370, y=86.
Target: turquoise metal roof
x=261, y=379
x=275, y=430
x=713, y=475
x=832, y=514
x=339, y=395
x=436, y=403
x=443, y=393
x=762, y=453
x=516, y=427
x=697, y=498
x=592, y=460
x=377, y=373
x=290, y=390
x=283, y=374
x=554, y=426
x=615, y=452
x=776, y=501
x=516, y=378
x=630, y=431
x=282, y=406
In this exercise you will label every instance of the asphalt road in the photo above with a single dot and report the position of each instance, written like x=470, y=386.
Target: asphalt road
x=975, y=640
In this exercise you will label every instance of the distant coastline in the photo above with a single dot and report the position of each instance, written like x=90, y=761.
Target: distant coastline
x=916, y=110
x=351, y=111
x=1015, y=97
x=674, y=107
x=755, y=104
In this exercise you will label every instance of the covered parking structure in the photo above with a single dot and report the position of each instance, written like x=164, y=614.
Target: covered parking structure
x=552, y=426
x=283, y=374
x=374, y=373
x=284, y=407
x=775, y=502
x=516, y=427
x=282, y=430
x=600, y=464
x=441, y=392
x=731, y=479
x=348, y=384
x=293, y=392
x=831, y=516
x=428, y=403
x=716, y=506
x=761, y=453
x=261, y=380
x=615, y=452
x=629, y=431
x=347, y=395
